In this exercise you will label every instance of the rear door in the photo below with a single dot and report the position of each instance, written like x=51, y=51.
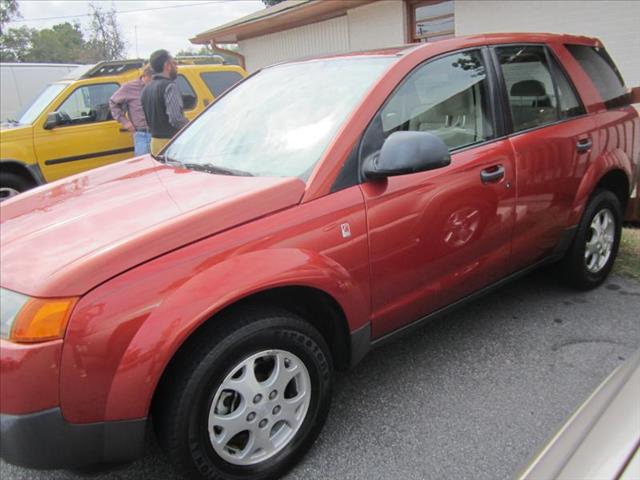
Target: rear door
x=552, y=137
x=439, y=235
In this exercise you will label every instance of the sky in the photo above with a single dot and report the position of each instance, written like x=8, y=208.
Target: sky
x=155, y=27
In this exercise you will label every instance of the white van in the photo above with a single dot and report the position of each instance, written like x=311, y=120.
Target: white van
x=20, y=83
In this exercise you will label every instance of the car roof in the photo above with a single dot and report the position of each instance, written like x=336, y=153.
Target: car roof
x=462, y=42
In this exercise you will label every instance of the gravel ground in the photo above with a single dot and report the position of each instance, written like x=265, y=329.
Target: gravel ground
x=471, y=396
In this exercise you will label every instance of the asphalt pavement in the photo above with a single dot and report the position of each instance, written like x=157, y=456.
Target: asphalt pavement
x=471, y=396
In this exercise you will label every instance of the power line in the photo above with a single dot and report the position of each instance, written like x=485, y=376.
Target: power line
x=117, y=11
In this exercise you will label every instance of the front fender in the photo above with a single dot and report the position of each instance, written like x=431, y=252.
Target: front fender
x=615, y=159
x=17, y=145
x=149, y=319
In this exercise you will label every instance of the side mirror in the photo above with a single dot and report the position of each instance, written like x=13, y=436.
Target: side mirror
x=407, y=152
x=52, y=120
x=635, y=95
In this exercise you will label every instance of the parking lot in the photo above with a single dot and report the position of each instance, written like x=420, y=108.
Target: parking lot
x=470, y=396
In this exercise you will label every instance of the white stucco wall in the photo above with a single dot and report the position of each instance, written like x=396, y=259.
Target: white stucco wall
x=615, y=22
x=379, y=24
x=330, y=36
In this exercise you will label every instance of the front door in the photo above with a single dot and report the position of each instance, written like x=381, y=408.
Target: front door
x=437, y=236
x=86, y=136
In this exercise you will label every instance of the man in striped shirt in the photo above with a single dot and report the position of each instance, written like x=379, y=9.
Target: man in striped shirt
x=162, y=102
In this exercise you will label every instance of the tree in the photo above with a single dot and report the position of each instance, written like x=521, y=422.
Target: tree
x=205, y=50
x=105, y=38
x=15, y=44
x=271, y=3
x=9, y=11
x=62, y=43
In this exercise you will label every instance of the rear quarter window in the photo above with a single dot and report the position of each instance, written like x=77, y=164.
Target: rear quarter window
x=219, y=82
x=189, y=97
x=597, y=63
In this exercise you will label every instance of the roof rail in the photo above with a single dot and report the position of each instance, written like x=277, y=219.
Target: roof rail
x=117, y=67
x=199, y=59
x=114, y=67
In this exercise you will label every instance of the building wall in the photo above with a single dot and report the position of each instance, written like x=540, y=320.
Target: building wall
x=379, y=24
x=330, y=36
x=615, y=22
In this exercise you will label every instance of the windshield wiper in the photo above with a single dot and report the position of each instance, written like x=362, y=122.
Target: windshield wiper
x=210, y=168
x=168, y=160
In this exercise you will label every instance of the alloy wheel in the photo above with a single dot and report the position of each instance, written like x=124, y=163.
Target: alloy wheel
x=600, y=240
x=259, y=407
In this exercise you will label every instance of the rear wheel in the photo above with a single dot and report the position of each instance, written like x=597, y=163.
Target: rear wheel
x=593, y=251
x=246, y=401
x=12, y=184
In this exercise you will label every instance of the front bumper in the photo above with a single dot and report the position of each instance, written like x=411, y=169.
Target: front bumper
x=45, y=440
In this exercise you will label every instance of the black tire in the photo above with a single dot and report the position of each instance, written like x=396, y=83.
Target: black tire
x=13, y=181
x=184, y=399
x=573, y=266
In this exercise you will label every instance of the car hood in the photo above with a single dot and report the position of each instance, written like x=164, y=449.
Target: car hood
x=64, y=238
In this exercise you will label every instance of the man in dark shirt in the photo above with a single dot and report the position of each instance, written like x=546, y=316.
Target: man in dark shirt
x=162, y=102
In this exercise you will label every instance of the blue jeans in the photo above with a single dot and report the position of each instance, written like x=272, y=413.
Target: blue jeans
x=141, y=143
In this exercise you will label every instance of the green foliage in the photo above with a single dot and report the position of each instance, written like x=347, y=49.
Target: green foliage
x=64, y=42
x=205, y=50
x=15, y=44
x=8, y=11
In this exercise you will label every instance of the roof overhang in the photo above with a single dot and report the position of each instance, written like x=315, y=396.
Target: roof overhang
x=283, y=16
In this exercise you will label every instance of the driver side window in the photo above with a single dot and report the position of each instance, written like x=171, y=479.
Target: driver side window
x=88, y=104
x=447, y=97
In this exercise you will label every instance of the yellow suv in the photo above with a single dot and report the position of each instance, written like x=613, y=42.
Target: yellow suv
x=69, y=128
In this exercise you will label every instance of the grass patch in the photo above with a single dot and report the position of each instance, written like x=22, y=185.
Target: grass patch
x=628, y=261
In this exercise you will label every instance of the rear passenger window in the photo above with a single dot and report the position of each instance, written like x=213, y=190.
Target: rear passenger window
x=447, y=97
x=219, y=82
x=529, y=86
x=603, y=72
x=189, y=98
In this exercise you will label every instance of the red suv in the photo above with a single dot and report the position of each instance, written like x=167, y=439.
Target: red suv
x=311, y=213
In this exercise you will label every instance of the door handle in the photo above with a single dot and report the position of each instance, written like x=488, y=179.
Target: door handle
x=584, y=145
x=492, y=174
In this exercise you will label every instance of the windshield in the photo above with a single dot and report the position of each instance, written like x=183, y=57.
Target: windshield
x=33, y=111
x=279, y=122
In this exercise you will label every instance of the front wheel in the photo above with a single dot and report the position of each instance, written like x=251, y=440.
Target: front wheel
x=247, y=401
x=12, y=184
x=595, y=246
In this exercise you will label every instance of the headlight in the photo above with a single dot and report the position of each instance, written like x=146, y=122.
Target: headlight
x=28, y=320
x=10, y=305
